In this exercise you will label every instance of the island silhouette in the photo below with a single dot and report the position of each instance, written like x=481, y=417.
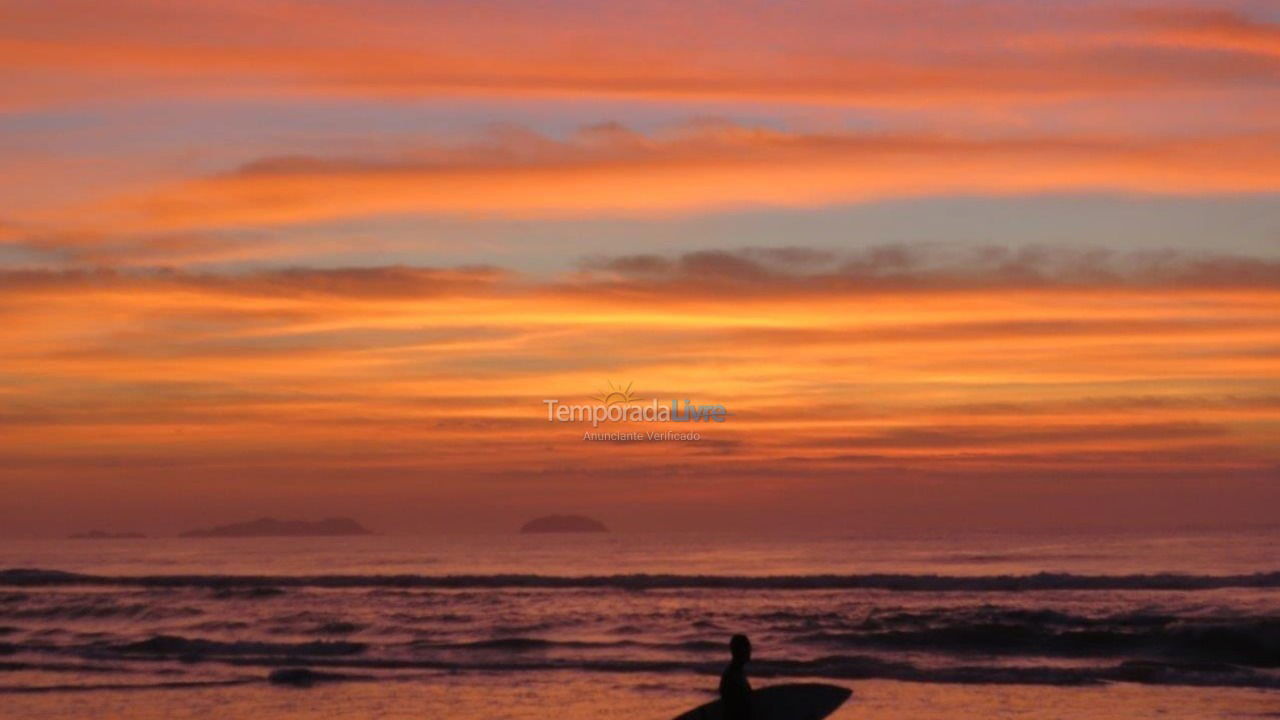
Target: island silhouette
x=563, y=524
x=105, y=535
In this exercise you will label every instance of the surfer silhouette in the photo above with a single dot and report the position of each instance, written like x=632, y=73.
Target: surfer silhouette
x=735, y=691
x=787, y=701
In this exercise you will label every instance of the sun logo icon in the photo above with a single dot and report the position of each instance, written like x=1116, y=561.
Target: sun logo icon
x=616, y=395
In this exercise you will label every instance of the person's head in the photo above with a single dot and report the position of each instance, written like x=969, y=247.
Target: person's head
x=740, y=647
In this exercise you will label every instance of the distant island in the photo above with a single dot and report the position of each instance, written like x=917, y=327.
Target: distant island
x=271, y=527
x=563, y=524
x=104, y=535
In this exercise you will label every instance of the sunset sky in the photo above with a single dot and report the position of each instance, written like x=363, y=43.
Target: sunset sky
x=948, y=265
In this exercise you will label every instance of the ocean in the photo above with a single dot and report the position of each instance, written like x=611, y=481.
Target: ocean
x=1087, y=625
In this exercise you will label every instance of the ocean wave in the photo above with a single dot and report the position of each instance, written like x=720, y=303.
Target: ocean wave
x=515, y=655
x=337, y=627
x=82, y=607
x=835, y=667
x=87, y=687
x=195, y=648
x=26, y=577
x=248, y=592
x=1246, y=641
x=832, y=668
x=880, y=620
x=219, y=626
x=56, y=667
x=1139, y=671
x=534, y=644
x=983, y=629
x=1252, y=642
x=518, y=644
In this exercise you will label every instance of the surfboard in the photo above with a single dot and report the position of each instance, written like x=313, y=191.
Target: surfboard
x=790, y=701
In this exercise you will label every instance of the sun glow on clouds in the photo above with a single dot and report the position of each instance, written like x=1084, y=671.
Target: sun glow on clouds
x=875, y=371
x=191, y=256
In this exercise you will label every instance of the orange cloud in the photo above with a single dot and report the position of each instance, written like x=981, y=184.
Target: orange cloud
x=610, y=170
x=1213, y=29
x=844, y=369
x=917, y=53
x=874, y=361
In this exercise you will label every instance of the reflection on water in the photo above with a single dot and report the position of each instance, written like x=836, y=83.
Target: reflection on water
x=953, y=554
x=491, y=645
x=593, y=697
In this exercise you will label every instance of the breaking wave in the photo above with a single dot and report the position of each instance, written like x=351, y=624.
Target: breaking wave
x=81, y=631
